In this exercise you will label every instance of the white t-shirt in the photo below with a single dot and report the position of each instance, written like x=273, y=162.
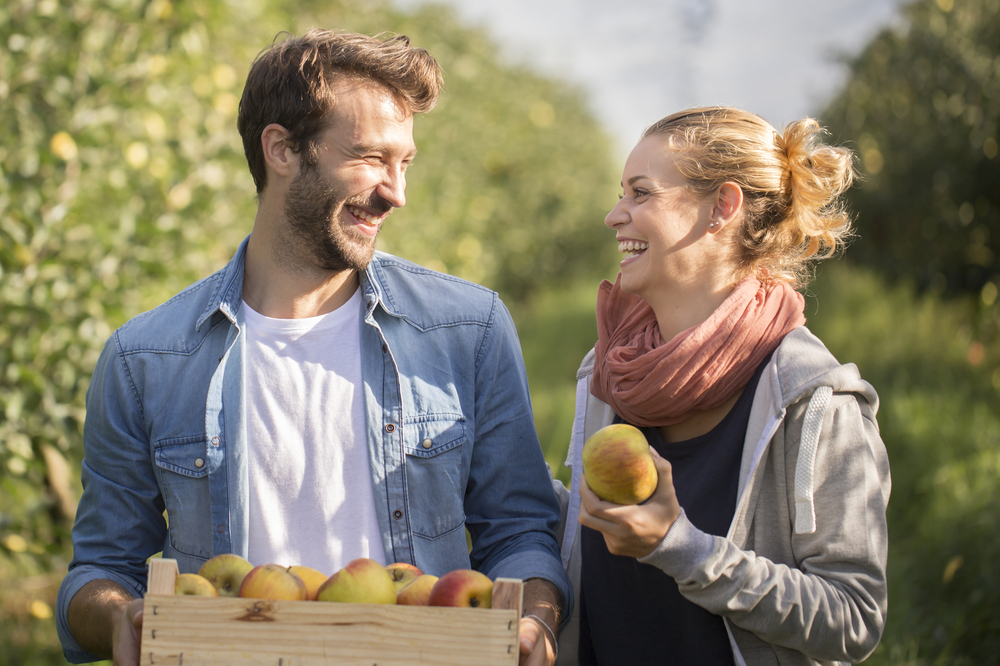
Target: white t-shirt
x=310, y=500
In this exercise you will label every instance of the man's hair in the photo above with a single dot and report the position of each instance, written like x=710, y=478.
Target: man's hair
x=291, y=83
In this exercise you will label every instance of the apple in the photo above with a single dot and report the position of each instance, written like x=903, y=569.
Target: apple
x=194, y=585
x=618, y=465
x=403, y=573
x=273, y=581
x=417, y=592
x=311, y=577
x=361, y=581
x=463, y=587
x=226, y=571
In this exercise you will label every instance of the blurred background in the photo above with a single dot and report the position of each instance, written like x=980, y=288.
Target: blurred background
x=122, y=180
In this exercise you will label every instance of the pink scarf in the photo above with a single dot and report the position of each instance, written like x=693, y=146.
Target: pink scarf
x=650, y=382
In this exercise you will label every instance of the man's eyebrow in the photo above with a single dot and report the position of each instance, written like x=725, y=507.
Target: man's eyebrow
x=381, y=150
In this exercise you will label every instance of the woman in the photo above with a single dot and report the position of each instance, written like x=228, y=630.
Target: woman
x=765, y=541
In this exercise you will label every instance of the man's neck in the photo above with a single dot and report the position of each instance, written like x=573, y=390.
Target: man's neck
x=277, y=290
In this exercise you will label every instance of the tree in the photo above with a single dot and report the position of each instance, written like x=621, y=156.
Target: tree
x=122, y=179
x=923, y=109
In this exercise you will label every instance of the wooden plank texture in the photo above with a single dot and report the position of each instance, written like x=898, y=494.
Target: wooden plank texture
x=203, y=631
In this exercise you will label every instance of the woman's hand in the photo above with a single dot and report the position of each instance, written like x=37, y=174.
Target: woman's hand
x=633, y=530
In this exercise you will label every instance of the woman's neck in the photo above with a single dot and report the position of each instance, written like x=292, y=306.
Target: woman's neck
x=683, y=306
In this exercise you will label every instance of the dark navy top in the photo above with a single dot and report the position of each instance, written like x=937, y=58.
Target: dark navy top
x=632, y=613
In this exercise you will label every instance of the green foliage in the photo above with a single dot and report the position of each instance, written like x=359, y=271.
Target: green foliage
x=122, y=179
x=923, y=109
x=940, y=420
x=114, y=192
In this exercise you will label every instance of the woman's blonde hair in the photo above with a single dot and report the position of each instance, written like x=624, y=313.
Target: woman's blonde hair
x=792, y=185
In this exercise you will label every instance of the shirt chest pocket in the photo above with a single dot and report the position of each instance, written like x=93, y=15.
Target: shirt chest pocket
x=182, y=469
x=435, y=474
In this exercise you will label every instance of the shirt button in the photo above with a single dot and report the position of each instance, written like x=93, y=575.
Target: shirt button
x=397, y=514
x=427, y=443
x=390, y=428
x=199, y=462
x=216, y=441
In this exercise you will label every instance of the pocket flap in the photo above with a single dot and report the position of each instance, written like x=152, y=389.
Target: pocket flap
x=427, y=439
x=183, y=455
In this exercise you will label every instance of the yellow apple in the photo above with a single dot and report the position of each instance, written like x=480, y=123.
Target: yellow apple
x=194, y=585
x=463, y=587
x=361, y=581
x=311, y=577
x=417, y=592
x=403, y=573
x=273, y=581
x=226, y=571
x=618, y=465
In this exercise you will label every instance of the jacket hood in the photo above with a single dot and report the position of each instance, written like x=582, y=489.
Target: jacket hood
x=802, y=363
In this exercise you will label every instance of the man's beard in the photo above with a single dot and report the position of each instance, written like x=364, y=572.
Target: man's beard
x=313, y=207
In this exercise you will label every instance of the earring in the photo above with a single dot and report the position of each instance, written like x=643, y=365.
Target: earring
x=713, y=225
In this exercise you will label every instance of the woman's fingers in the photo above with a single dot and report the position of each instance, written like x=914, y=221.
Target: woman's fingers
x=633, y=530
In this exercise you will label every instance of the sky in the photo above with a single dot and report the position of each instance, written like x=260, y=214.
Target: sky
x=639, y=60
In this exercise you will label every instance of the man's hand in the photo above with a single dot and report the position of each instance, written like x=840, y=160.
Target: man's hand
x=127, y=635
x=538, y=647
x=634, y=530
x=107, y=621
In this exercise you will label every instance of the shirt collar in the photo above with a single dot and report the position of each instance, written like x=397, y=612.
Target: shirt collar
x=228, y=295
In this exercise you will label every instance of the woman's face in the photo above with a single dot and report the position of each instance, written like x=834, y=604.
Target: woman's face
x=661, y=227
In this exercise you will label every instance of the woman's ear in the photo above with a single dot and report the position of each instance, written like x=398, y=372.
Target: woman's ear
x=278, y=155
x=728, y=206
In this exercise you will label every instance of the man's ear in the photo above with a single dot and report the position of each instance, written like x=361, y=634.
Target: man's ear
x=278, y=154
x=728, y=206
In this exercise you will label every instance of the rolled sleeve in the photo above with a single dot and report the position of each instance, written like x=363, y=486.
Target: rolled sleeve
x=74, y=582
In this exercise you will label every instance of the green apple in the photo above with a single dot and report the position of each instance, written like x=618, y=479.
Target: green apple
x=618, y=465
x=226, y=571
x=361, y=581
x=273, y=581
x=464, y=588
x=417, y=592
x=403, y=573
x=194, y=585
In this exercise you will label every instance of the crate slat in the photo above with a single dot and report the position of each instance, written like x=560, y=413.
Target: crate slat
x=202, y=631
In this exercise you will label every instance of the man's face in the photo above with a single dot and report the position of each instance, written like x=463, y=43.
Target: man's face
x=336, y=207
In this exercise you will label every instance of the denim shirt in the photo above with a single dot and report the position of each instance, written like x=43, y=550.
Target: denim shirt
x=448, y=420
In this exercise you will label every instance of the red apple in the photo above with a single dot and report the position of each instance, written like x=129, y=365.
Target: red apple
x=273, y=581
x=311, y=577
x=226, y=572
x=403, y=573
x=618, y=465
x=361, y=581
x=417, y=592
x=463, y=587
x=194, y=585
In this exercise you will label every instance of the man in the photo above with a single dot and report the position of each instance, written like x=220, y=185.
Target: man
x=314, y=402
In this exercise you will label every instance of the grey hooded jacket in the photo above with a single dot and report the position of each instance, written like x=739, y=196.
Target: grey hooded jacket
x=800, y=577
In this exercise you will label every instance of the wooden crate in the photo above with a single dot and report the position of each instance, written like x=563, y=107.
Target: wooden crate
x=182, y=630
